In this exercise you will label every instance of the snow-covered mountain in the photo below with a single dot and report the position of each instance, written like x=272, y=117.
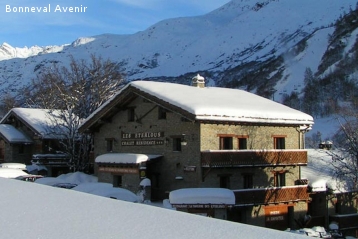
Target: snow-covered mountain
x=260, y=46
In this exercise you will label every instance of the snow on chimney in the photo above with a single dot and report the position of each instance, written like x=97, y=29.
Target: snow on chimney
x=198, y=81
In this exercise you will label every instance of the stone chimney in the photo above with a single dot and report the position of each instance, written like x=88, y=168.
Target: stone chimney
x=198, y=81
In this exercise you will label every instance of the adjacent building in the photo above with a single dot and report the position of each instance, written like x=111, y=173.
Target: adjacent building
x=333, y=199
x=32, y=137
x=182, y=136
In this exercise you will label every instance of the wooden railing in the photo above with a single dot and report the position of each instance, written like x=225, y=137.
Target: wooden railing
x=249, y=158
x=262, y=196
x=345, y=221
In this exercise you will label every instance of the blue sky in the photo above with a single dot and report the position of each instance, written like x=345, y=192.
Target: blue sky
x=42, y=28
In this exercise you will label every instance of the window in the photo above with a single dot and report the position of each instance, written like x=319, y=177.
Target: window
x=248, y=180
x=242, y=143
x=50, y=146
x=162, y=113
x=177, y=144
x=110, y=142
x=224, y=181
x=21, y=149
x=279, y=142
x=226, y=143
x=338, y=207
x=117, y=181
x=131, y=115
x=280, y=179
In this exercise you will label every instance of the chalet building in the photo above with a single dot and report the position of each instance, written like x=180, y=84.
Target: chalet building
x=27, y=136
x=182, y=136
x=331, y=207
x=333, y=200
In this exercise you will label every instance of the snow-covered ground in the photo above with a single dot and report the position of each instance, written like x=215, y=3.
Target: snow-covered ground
x=31, y=210
x=319, y=172
x=88, y=210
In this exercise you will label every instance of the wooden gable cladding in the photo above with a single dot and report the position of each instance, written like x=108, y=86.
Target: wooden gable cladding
x=264, y=196
x=18, y=122
x=107, y=111
x=164, y=104
x=249, y=158
x=121, y=100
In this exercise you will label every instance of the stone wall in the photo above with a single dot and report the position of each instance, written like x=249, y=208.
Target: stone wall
x=172, y=170
x=259, y=137
x=171, y=166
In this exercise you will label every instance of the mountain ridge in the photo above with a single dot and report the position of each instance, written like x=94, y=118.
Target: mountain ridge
x=272, y=40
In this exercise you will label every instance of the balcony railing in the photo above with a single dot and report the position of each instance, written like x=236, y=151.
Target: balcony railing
x=262, y=196
x=249, y=158
x=345, y=222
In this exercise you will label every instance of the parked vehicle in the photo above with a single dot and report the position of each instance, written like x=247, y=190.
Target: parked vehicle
x=29, y=177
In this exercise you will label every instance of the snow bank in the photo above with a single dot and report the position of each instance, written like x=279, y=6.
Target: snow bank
x=106, y=190
x=59, y=214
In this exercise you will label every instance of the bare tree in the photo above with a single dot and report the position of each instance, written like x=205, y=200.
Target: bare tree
x=76, y=91
x=8, y=102
x=87, y=85
x=345, y=157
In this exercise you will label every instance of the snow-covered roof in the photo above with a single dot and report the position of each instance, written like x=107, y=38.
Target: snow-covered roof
x=14, y=166
x=13, y=135
x=35, y=168
x=216, y=196
x=129, y=158
x=217, y=104
x=46, y=122
x=11, y=173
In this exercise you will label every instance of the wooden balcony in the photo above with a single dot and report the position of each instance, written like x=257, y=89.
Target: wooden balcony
x=345, y=222
x=262, y=196
x=252, y=158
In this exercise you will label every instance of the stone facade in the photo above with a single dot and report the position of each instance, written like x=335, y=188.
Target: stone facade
x=199, y=137
x=191, y=154
x=182, y=168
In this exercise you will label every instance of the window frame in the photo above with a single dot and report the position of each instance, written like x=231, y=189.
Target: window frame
x=21, y=149
x=131, y=114
x=224, y=180
x=248, y=180
x=226, y=145
x=280, y=178
x=240, y=145
x=109, y=144
x=162, y=113
x=177, y=146
x=279, y=141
